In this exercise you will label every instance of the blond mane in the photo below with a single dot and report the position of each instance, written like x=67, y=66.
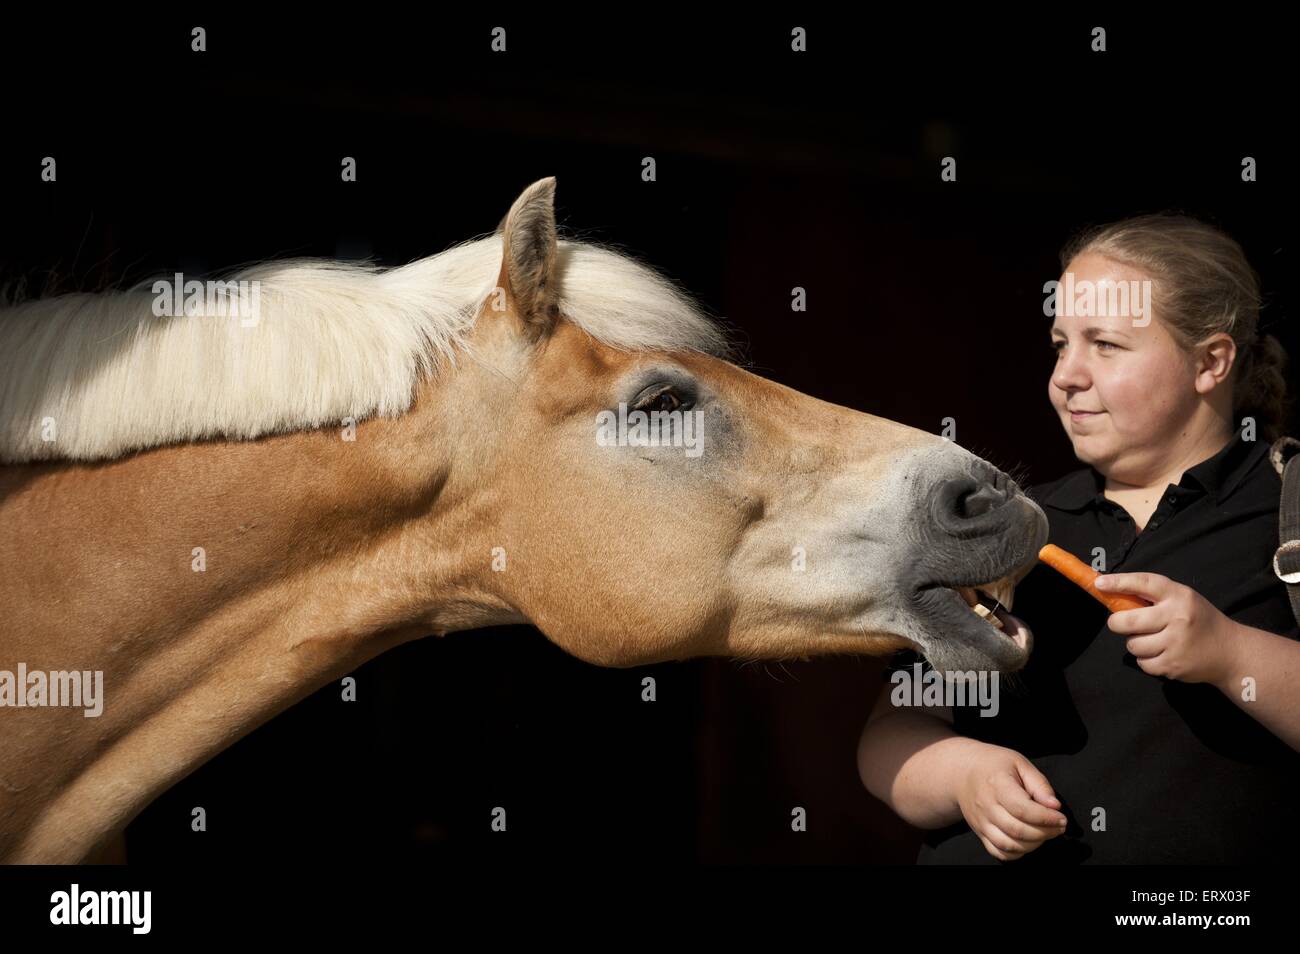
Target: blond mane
x=93, y=377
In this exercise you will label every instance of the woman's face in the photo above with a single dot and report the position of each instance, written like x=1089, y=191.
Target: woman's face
x=1122, y=387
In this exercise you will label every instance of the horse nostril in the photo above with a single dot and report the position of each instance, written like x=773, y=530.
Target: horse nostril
x=979, y=501
x=964, y=499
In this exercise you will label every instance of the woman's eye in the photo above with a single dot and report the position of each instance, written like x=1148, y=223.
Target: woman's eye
x=1103, y=345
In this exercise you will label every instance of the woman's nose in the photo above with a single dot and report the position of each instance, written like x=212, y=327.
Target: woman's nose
x=1070, y=372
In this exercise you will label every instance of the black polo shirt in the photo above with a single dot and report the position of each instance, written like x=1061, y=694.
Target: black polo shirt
x=1182, y=774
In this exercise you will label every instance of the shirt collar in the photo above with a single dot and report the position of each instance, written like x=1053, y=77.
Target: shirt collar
x=1218, y=476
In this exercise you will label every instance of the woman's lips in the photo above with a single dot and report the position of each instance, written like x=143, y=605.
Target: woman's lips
x=1084, y=415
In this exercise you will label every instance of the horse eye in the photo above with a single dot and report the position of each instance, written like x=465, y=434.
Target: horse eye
x=663, y=401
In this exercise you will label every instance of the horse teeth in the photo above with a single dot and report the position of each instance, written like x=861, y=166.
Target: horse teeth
x=987, y=615
x=1003, y=592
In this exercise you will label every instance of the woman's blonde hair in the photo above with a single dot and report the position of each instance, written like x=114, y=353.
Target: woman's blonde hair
x=1202, y=284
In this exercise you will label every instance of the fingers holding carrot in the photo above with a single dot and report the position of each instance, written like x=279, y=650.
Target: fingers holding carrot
x=1182, y=635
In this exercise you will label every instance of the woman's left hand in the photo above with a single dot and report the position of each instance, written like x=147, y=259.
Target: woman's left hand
x=1182, y=635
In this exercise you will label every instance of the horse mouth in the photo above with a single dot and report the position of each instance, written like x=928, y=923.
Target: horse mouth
x=992, y=603
x=975, y=622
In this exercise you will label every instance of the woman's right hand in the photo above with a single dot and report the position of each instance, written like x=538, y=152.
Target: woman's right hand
x=1009, y=804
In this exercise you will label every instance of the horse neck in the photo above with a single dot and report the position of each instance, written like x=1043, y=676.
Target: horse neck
x=214, y=585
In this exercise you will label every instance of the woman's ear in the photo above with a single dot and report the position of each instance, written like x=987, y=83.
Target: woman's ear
x=1216, y=356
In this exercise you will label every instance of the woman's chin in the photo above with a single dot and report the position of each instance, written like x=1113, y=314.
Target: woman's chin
x=1091, y=449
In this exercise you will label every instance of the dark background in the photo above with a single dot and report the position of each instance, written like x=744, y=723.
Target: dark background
x=774, y=170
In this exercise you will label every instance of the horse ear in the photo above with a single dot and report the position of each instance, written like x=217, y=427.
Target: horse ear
x=528, y=263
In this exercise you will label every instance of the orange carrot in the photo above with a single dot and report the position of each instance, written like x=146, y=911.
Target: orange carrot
x=1078, y=572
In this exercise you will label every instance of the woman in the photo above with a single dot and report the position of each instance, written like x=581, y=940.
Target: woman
x=1167, y=734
